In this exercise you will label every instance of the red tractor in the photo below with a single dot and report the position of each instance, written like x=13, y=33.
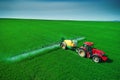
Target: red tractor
x=88, y=51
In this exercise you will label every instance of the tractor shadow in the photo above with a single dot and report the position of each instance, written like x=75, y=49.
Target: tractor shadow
x=109, y=60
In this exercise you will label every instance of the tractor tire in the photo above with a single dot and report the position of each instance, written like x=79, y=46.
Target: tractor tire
x=63, y=45
x=96, y=59
x=81, y=53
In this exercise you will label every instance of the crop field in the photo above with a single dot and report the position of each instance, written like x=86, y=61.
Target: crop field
x=18, y=36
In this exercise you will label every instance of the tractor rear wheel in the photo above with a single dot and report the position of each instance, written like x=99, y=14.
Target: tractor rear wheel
x=63, y=45
x=96, y=59
x=81, y=52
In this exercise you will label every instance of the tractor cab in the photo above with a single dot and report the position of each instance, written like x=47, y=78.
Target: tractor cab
x=88, y=46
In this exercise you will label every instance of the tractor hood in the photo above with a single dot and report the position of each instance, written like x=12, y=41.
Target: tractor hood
x=97, y=51
x=100, y=54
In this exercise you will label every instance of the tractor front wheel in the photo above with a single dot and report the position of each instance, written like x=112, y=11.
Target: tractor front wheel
x=96, y=59
x=81, y=52
x=63, y=45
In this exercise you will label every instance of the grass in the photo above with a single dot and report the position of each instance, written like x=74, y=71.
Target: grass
x=30, y=35
x=18, y=36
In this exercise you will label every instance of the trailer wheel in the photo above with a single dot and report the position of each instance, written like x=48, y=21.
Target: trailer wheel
x=81, y=52
x=96, y=59
x=63, y=45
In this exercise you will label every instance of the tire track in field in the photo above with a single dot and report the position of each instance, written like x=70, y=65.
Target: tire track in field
x=35, y=52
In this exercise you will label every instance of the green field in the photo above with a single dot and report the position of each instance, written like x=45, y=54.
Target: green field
x=19, y=36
